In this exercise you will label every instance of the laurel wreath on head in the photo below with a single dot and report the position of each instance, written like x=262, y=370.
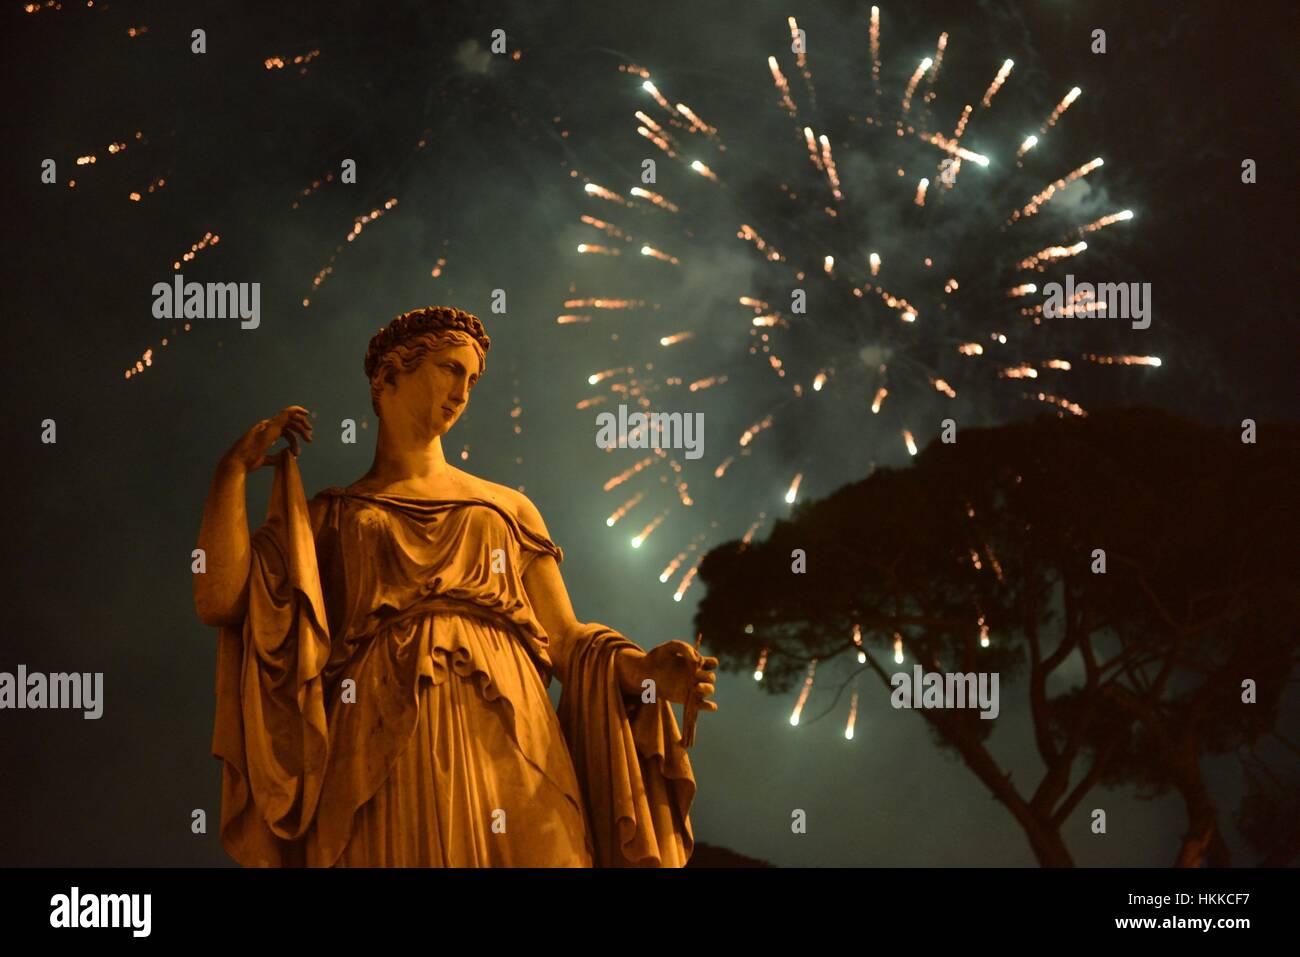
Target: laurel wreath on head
x=417, y=322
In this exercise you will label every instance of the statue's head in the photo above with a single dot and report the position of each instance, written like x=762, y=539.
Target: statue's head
x=428, y=358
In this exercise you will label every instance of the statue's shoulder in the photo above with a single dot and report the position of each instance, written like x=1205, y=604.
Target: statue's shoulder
x=500, y=495
x=516, y=502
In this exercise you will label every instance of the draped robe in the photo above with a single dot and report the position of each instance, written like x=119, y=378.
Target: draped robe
x=383, y=702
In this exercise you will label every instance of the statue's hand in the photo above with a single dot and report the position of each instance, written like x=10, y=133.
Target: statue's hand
x=249, y=453
x=679, y=671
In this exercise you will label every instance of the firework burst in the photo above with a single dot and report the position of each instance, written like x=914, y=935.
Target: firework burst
x=832, y=279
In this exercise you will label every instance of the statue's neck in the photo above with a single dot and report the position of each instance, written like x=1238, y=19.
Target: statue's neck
x=407, y=458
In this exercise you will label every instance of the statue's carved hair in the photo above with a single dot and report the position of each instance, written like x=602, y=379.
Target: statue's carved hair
x=404, y=343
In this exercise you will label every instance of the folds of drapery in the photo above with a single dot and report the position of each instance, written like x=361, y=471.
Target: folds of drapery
x=633, y=772
x=272, y=730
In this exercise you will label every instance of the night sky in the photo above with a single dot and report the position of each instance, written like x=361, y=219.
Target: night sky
x=99, y=526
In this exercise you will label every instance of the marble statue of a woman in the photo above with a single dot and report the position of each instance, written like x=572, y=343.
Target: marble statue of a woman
x=385, y=651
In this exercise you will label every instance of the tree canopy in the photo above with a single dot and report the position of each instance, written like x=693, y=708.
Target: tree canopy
x=1134, y=575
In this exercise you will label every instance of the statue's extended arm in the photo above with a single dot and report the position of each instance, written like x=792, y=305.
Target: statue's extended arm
x=675, y=667
x=631, y=762
x=551, y=605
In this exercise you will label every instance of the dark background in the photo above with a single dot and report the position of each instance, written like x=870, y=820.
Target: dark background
x=99, y=527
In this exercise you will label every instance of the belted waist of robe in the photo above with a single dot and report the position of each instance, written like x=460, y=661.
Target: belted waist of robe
x=460, y=606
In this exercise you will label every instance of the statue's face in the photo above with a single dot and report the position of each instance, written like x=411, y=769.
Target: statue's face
x=437, y=391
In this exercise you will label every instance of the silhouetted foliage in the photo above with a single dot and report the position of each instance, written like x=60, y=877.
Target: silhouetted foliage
x=1132, y=675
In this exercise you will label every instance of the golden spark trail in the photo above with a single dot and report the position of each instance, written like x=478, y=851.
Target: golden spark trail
x=794, y=489
x=152, y=187
x=686, y=580
x=596, y=377
x=658, y=141
x=681, y=556
x=649, y=529
x=701, y=384
x=659, y=254
x=1003, y=73
x=654, y=198
x=754, y=429
x=749, y=234
x=300, y=61
x=1052, y=253
x=624, y=508
x=938, y=59
x=829, y=163
x=875, y=50
x=1060, y=109
x=951, y=147
x=703, y=170
x=1032, y=207
x=209, y=239
x=1019, y=372
x=814, y=154
x=695, y=121
x=961, y=123
x=653, y=90
x=782, y=85
x=604, y=303
x=1122, y=216
x=626, y=474
x=1065, y=404
x=801, y=61
x=358, y=224
x=803, y=695
x=1123, y=360
x=600, y=192
x=911, y=84
x=609, y=229
x=749, y=535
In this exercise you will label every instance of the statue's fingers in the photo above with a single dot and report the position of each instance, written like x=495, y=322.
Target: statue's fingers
x=292, y=440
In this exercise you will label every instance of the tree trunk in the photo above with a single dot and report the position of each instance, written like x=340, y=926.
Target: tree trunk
x=1045, y=839
x=1202, y=843
x=1044, y=836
